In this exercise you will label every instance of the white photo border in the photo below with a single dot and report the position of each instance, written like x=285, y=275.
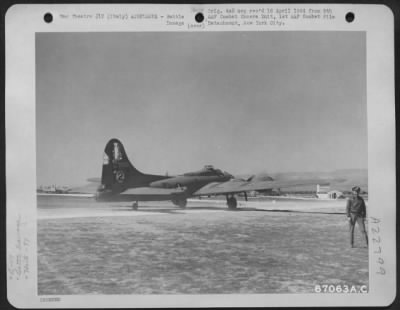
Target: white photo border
x=23, y=21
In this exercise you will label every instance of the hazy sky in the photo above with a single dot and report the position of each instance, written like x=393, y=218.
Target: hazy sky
x=244, y=102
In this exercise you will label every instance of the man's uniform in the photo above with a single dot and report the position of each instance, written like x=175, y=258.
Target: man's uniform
x=356, y=211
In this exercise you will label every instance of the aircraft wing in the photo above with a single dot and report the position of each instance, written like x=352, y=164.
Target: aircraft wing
x=94, y=180
x=151, y=194
x=152, y=191
x=239, y=186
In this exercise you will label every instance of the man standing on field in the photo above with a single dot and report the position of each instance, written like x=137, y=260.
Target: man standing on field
x=356, y=212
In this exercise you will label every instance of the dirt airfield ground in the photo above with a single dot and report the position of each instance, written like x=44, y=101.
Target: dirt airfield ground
x=271, y=246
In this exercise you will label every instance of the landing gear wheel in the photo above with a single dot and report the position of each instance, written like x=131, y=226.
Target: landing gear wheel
x=135, y=206
x=181, y=203
x=231, y=202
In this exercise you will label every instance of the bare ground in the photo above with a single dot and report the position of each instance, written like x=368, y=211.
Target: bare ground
x=254, y=251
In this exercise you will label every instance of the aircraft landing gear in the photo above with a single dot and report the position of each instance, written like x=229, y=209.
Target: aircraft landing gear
x=231, y=202
x=135, y=205
x=181, y=203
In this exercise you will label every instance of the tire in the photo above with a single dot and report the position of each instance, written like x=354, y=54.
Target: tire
x=182, y=203
x=232, y=203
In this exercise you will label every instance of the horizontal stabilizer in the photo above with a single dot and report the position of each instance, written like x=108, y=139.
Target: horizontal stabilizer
x=94, y=180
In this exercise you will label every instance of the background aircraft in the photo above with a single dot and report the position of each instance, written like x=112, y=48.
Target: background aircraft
x=121, y=181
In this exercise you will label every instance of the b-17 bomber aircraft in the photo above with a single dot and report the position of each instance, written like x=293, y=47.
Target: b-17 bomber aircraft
x=121, y=181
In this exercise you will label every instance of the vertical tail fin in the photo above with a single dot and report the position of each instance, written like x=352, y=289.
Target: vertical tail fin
x=117, y=169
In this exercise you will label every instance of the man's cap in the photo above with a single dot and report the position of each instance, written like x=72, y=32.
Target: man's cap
x=356, y=189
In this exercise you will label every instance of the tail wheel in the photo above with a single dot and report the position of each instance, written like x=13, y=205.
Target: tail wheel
x=135, y=205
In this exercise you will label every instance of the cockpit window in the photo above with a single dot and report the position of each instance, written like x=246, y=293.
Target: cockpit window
x=219, y=172
x=208, y=170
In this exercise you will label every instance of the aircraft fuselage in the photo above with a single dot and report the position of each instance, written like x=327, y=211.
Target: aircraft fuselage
x=191, y=183
x=121, y=181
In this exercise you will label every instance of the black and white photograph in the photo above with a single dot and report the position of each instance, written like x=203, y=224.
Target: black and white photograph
x=214, y=125
x=199, y=163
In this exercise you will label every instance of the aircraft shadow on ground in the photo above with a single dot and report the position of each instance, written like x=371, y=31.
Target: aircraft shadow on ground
x=147, y=209
x=247, y=209
x=298, y=211
x=173, y=210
